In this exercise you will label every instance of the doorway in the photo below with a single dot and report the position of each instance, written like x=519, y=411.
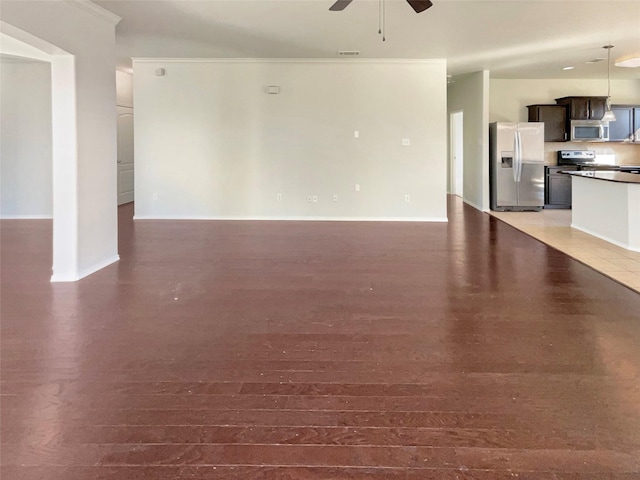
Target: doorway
x=124, y=95
x=125, y=155
x=64, y=161
x=457, y=154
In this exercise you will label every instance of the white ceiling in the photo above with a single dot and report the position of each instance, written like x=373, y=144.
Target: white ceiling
x=511, y=38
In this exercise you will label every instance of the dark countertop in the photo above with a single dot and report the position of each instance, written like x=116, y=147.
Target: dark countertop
x=620, y=177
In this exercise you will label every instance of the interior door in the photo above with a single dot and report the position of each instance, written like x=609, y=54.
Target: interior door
x=125, y=155
x=457, y=150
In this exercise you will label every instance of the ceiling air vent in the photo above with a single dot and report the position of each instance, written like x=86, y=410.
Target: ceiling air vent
x=348, y=53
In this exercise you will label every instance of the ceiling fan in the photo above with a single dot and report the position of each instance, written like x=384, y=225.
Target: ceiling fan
x=417, y=5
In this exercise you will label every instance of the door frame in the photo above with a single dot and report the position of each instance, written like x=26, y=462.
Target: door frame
x=456, y=153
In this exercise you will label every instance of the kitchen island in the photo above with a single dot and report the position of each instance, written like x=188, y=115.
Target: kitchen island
x=606, y=204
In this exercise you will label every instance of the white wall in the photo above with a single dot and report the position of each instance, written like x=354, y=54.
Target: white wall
x=26, y=153
x=84, y=126
x=211, y=143
x=470, y=93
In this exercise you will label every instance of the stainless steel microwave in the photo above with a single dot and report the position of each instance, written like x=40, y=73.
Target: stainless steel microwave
x=589, y=131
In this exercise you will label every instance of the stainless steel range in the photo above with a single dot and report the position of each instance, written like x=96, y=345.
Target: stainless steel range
x=587, y=160
x=557, y=187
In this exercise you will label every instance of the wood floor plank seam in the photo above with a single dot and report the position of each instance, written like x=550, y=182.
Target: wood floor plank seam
x=334, y=351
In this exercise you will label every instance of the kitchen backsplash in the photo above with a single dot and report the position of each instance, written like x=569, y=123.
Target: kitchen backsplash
x=626, y=154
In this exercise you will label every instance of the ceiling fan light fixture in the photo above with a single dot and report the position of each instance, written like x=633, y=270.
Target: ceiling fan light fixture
x=420, y=5
x=340, y=5
x=417, y=5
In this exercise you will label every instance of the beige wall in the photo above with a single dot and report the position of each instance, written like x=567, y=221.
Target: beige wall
x=509, y=100
x=211, y=143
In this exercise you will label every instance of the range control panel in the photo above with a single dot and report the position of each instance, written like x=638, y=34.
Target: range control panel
x=576, y=157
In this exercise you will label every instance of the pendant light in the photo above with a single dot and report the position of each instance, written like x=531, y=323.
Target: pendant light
x=609, y=116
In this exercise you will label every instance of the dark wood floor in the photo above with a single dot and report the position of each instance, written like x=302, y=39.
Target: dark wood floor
x=291, y=350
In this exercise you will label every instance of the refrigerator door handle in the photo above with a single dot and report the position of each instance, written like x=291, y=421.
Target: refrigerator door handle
x=517, y=157
x=520, y=160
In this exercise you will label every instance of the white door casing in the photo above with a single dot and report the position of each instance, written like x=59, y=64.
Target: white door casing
x=457, y=153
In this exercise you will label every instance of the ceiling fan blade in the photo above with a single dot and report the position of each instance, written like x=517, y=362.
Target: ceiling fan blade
x=419, y=5
x=340, y=5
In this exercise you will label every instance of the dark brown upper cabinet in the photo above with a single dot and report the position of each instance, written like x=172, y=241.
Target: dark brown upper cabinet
x=584, y=108
x=626, y=128
x=554, y=118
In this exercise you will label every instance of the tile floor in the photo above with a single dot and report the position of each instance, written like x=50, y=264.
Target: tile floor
x=553, y=227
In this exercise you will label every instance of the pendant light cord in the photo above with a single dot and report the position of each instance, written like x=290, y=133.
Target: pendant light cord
x=609, y=116
x=609, y=74
x=384, y=20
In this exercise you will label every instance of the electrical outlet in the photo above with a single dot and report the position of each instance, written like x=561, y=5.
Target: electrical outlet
x=335, y=197
x=407, y=198
x=315, y=199
x=357, y=187
x=406, y=142
x=278, y=196
x=155, y=196
x=309, y=199
x=356, y=134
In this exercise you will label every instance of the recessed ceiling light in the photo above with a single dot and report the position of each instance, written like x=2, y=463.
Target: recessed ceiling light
x=568, y=68
x=632, y=62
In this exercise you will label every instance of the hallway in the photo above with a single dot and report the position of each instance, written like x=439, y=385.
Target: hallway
x=317, y=350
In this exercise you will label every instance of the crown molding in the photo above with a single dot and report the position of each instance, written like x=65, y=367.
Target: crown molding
x=434, y=61
x=96, y=10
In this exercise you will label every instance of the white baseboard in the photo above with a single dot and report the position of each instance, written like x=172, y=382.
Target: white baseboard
x=69, y=277
x=300, y=219
x=84, y=273
x=26, y=217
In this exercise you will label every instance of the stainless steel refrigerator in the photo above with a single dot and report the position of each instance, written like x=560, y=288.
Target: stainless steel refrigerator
x=516, y=166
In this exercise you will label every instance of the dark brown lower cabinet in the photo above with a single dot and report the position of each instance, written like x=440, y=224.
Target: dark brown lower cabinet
x=557, y=187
